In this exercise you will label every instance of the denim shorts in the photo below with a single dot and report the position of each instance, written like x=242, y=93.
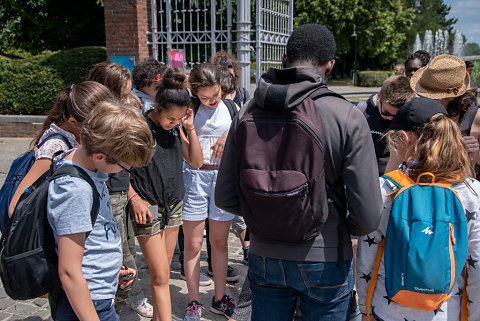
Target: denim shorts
x=199, y=202
x=104, y=308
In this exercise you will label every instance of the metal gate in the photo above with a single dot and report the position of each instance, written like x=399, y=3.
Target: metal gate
x=202, y=27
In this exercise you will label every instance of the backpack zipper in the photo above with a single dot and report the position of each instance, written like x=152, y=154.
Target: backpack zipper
x=302, y=188
x=302, y=124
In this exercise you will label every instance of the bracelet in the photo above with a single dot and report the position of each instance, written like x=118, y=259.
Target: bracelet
x=187, y=130
x=131, y=197
x=135, y=201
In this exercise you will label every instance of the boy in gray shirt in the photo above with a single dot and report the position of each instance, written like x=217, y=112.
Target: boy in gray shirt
x=114, y=137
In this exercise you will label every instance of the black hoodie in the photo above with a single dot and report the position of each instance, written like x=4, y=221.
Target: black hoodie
x=350, y=166
x=378, y=126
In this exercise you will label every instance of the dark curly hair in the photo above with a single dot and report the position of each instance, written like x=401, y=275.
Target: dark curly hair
x=146, y=72
x=173, y=91
x=225, y=59
x=311, y=43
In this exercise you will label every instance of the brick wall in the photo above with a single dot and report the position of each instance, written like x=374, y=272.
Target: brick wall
x=19, y=129
x=126, y=26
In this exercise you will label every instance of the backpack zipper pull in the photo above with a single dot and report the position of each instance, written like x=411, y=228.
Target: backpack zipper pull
x=452, y=234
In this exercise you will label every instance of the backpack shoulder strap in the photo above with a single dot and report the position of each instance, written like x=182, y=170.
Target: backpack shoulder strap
x=399, y=178
x=65, y=139
x=231, y=106
x=373, y=280
x=324, y=91
x=75, y=171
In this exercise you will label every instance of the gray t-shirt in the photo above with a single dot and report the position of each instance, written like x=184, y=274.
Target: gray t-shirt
x=69, y=204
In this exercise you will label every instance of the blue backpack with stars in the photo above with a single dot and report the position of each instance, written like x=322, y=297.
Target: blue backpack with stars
x=426, y=244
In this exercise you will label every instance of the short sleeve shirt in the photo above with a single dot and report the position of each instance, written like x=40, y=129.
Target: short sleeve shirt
x=69, y=204
x=55, y=144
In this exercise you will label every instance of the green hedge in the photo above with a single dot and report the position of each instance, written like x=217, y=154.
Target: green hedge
x=30, y=86
x=372, y=78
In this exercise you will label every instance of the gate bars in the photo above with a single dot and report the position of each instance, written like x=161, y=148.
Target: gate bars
x=201, y=27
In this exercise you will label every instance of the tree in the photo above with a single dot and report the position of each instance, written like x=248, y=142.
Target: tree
x=51, y=24
x=429, y=15
x=381, y=26
x=471, y=49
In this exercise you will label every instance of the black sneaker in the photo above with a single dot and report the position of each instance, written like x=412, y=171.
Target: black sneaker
x=232, y=274
x=224, y=306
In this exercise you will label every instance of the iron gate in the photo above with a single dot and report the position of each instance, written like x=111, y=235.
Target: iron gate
x=187, y=25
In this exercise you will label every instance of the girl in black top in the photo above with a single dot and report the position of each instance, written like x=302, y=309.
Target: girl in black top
x=156, y=190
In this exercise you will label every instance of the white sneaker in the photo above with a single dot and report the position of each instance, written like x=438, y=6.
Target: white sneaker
x=143, y=308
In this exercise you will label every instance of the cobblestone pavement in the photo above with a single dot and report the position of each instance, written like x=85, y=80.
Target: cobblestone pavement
x=37, y=309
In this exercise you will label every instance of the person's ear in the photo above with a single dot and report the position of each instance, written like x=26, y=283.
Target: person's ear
x=72, y=120
x=98, y=157
x=329, y=67
x=284, y=61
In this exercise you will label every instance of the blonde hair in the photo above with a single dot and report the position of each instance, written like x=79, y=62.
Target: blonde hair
x=439, y=149
x=118, y=131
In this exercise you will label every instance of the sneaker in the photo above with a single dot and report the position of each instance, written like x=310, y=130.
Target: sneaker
x=224, y=306
x=143, y=308
x=232, y=274
x=204, y=279
x=194, y=311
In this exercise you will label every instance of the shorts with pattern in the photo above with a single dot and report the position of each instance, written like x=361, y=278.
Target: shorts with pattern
x=156, y=227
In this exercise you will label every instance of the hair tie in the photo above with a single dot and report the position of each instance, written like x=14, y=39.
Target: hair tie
x=157, y=78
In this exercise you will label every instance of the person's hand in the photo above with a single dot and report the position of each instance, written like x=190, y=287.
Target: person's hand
x=364, y=318
x=217, y=148
x=472, y=147
x=125, y=271
x=187, y=120
x=141, y=211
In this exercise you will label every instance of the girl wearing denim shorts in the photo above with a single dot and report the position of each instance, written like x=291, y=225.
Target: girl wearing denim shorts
x=212, y=122
x=156, y=190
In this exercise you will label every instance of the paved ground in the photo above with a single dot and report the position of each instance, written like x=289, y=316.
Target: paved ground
x=36, y=310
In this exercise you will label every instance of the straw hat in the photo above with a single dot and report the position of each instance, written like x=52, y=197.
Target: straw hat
x=446, y=76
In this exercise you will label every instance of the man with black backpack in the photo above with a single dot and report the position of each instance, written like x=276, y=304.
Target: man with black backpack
x=297, y=157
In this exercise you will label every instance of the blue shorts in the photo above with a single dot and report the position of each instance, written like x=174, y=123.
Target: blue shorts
x=104, y=308
x=199, y=203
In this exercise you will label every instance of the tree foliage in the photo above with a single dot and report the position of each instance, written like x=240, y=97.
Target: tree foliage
x=429, y=15
x=36, y=25
x=381, y=26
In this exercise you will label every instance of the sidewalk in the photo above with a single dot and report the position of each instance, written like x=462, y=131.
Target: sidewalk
x=37, y=309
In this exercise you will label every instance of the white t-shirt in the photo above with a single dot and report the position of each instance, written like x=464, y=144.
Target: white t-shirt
x=210, y=124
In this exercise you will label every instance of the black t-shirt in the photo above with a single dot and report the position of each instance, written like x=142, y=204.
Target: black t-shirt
x=118, y=182
x=378, y=126
x=161, y=181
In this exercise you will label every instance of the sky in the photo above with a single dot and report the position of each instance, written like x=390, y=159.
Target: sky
x=468, y=14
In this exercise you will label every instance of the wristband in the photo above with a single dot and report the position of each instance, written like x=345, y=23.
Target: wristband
x=135, y=201
x=131, y=197
x=187, y=130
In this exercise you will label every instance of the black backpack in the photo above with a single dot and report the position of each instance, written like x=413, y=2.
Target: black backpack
x=279, y=164
x=28, y=260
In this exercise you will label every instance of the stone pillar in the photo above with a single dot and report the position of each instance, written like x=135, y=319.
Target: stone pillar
x=126, y=26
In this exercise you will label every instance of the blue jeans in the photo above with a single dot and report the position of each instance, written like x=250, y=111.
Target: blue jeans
x=104, y=308
x=324, y=289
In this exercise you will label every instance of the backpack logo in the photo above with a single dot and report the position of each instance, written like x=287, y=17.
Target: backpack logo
x=427, y=231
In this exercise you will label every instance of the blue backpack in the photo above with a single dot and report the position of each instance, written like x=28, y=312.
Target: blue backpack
x=17, y=172
x=426, y=244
